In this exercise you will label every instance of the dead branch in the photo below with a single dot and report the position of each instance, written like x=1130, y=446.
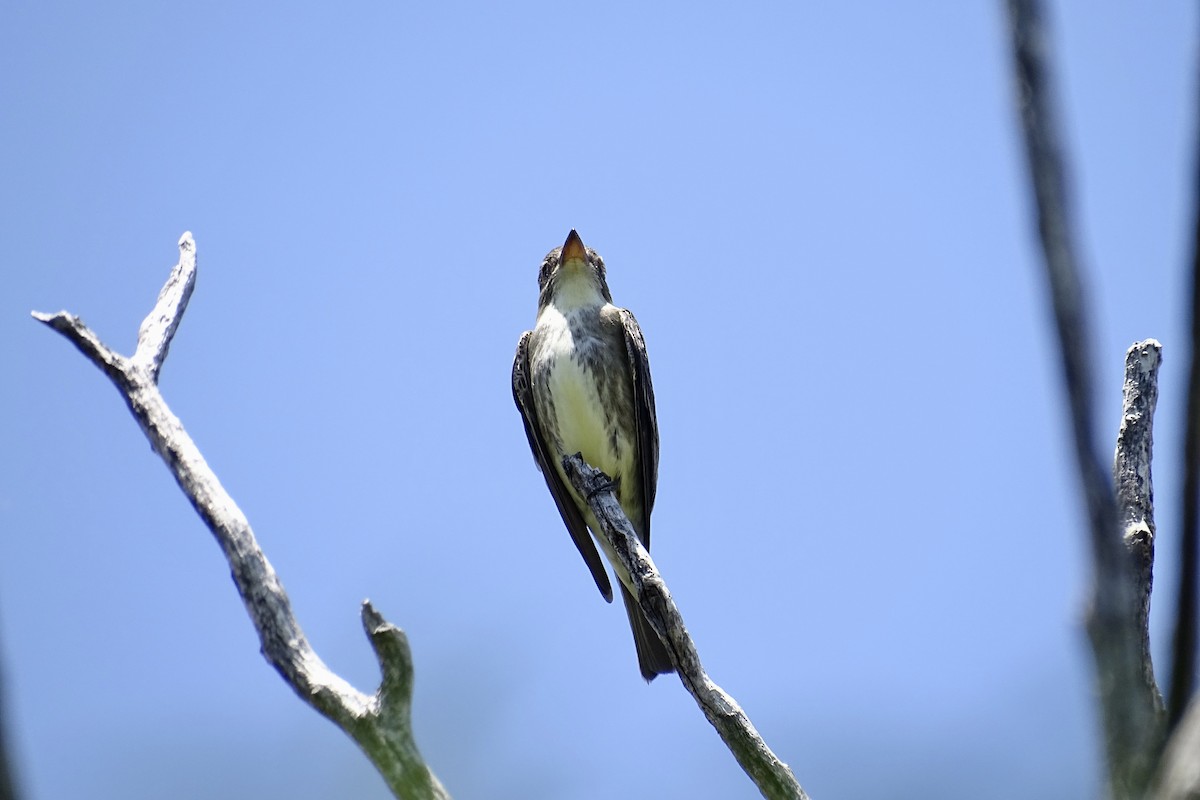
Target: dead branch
x=380, y=723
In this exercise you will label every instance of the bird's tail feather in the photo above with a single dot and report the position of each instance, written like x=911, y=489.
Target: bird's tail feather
x=651, y=652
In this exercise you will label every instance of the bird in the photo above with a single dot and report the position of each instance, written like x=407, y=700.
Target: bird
x=581, y=380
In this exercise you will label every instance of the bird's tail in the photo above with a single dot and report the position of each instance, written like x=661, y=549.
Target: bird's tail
x=651, y=652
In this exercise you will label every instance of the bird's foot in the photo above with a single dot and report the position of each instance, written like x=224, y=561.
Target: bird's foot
x=604, y=484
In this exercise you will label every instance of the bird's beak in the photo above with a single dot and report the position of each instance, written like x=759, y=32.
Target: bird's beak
x=573, y=248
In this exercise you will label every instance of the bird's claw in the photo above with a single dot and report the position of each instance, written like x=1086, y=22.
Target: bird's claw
x=604, y=484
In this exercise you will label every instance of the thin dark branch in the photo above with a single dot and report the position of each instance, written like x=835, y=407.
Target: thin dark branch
x=1047, y=172
x=8, y=782
x=1132, y=722
x=379, y=723
x=1183, y=663
x=773, y=777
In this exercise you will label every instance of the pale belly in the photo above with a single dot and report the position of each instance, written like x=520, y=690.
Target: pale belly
x=582, y=424
x=582, y=420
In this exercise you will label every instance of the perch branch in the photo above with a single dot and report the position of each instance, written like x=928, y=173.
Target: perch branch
x=1131, y=709
x=379, y=723
x=773, y=777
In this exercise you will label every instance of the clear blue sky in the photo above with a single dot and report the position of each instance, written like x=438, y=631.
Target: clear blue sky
x=818, y=214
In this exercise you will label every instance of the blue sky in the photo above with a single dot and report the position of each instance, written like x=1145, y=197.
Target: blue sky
x=818, y=214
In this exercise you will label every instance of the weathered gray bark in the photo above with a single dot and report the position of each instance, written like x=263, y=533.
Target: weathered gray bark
x=380, y=723
x=773, y=777
x=1135, y=489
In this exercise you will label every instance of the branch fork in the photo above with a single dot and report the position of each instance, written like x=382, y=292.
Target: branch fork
x=381, y=722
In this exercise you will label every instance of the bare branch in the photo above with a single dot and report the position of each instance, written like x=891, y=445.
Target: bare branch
x=773, y=777
x=1135, y=487
x=157, y=330
x=1131, y=708
x=379, y=723
x=82, y=337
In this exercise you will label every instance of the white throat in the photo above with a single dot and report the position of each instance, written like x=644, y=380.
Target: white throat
x=577, y=289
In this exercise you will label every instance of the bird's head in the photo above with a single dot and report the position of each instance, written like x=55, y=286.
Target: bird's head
x=572, y=275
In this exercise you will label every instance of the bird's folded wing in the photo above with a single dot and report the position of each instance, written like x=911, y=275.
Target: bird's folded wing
x=571, y=517
x=647, y=420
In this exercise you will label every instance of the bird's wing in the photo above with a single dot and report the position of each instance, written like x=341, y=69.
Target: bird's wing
x=647, y=419
x=571, y=517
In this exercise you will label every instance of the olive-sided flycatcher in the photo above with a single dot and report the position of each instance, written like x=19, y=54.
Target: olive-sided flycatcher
x=581, y=381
